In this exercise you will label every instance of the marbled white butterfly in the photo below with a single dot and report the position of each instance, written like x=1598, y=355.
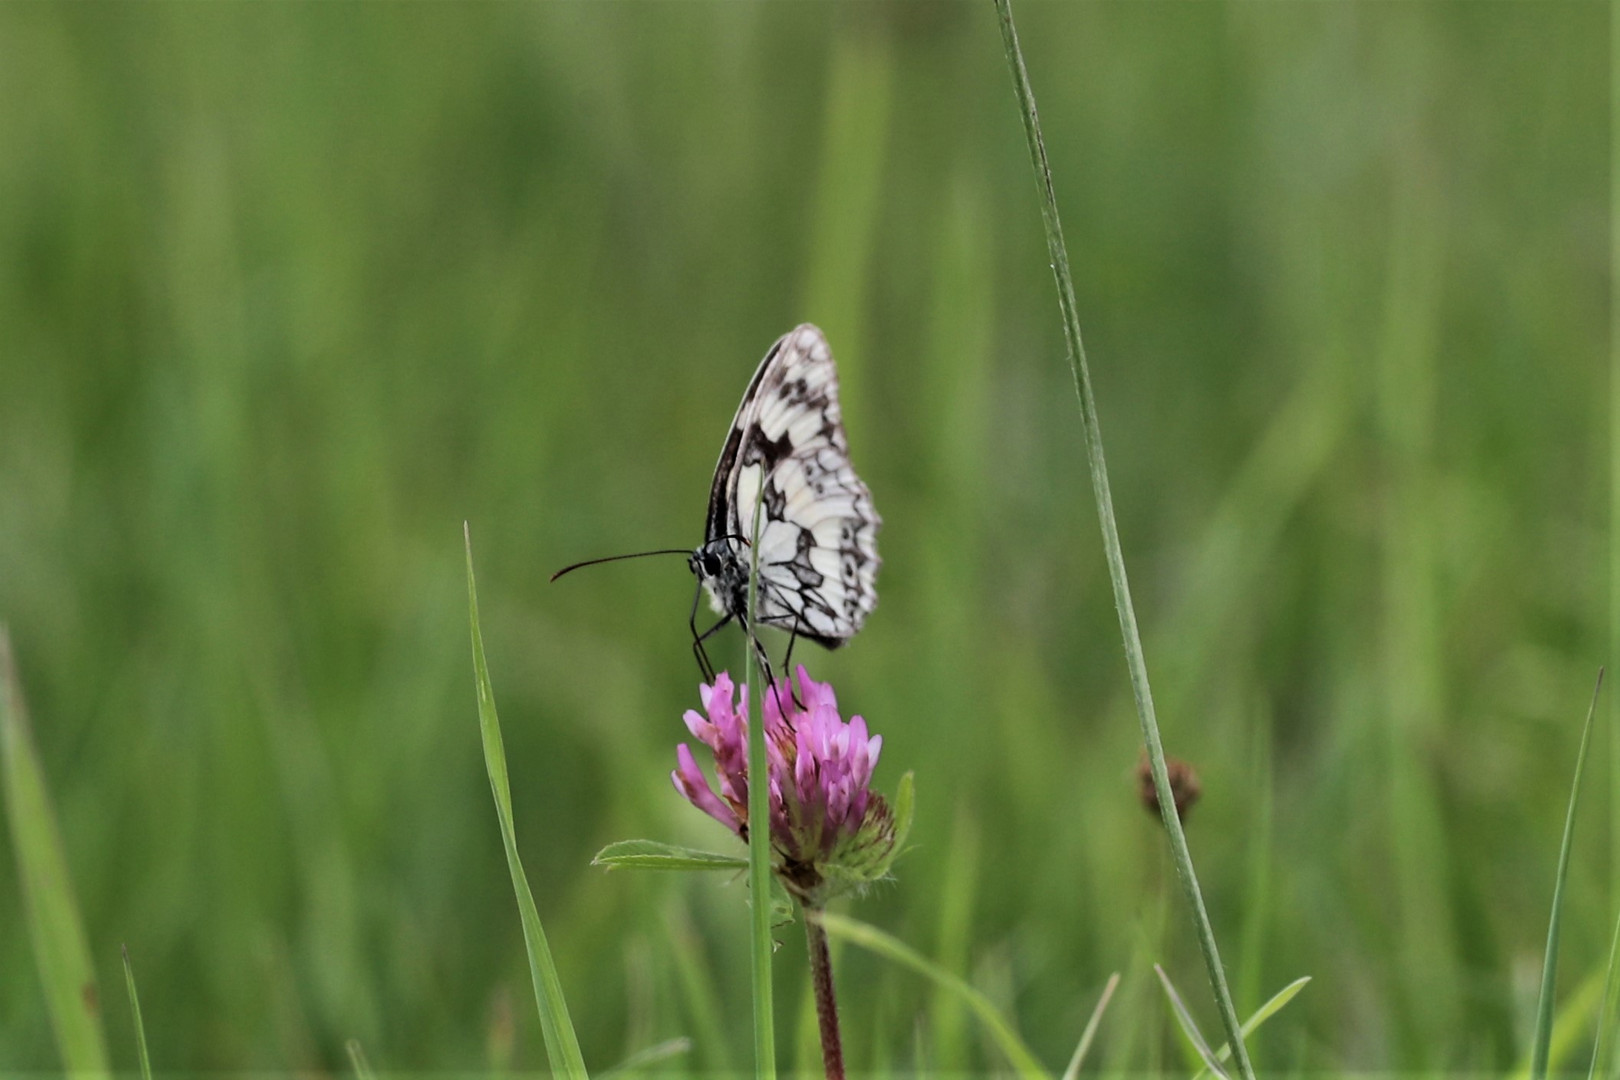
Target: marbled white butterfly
x=818, y=555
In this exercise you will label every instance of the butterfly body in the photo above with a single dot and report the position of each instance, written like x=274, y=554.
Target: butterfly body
x=817, y=540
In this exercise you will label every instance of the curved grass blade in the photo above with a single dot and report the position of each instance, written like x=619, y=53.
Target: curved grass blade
x=49, y=907
x=1189, y=1026
x=874, y=940
x=562, y=1045
x=1542, y=1044
x=1261, y=1015
x=1135, y=661
x=1090, y=1033
x=653, y=855
x=135, y=1011
x=651, y=1055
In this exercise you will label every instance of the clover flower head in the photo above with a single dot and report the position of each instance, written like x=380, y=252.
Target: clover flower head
x=829, y=830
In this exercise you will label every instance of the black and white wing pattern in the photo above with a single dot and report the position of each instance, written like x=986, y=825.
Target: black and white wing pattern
x=818, y=557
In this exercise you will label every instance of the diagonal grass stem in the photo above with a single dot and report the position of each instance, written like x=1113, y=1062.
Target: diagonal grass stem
x=1140, y=689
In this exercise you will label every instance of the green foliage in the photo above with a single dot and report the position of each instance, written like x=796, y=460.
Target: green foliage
x=292, y=290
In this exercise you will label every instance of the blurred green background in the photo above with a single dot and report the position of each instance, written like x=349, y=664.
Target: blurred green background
x=289, y=291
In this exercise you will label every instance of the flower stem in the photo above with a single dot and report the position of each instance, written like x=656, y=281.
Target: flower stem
x=759, y=835
x=1111, y=546
x=821, y=978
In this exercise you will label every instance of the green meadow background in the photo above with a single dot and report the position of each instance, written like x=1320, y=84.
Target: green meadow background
x=290, y=291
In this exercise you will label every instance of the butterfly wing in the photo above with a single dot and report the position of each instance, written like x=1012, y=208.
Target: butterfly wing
x=818, y=555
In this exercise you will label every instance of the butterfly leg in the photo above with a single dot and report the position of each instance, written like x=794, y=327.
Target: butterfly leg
x=787, y=662
x=773, y=683
x=705, y=668
x=704, y=665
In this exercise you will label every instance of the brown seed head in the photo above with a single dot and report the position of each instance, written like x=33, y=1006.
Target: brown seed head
x=1184, y=786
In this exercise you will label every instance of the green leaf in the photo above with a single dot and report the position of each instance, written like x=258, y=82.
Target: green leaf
x=135, y=1011
x=562, y=1045
x=653, y=855
x=1189, y=1026
x=49, y=908
x=905, y=808
x=1261, y=1015
x=1090, y=1033
x=874, y=940
x=1542, y=1044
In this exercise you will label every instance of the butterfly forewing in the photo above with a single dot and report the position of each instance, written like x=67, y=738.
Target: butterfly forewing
x=818, y=530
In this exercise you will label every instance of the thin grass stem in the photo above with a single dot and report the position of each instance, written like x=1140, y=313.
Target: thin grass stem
x=1140, y=689
x=759, y=830
x=135, y=1013
x=1542, y=1046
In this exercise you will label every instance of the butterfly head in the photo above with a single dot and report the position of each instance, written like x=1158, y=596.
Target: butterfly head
x=723, y=575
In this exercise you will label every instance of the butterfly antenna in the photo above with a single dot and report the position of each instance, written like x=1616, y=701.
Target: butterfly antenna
x=616, y=558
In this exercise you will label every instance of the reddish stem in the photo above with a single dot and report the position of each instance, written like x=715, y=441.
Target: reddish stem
x=821, y=977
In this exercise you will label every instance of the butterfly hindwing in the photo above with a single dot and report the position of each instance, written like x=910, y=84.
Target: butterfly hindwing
x=818, y=530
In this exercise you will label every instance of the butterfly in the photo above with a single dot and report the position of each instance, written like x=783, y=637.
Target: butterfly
x=787, y=457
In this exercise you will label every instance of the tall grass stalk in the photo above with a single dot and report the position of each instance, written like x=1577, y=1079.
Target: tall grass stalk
x=1549, y=965
x=759, y=828
x=50, y=910
x=1116, y=560
x=557, y=1029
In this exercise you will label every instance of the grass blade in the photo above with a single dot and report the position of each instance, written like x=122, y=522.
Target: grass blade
x=1262, y=1014
x=651, y=1055
x=653, y=855
x=1542, y=1044
x=1090, y=1033
x=49, y=907
x=1136, y=662
x=357, y=1058
x=890, y=948
x=135, y=1012
x=562, y=1045
x=759, y=840
x=1604, y=1020
x=1189, y=1026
